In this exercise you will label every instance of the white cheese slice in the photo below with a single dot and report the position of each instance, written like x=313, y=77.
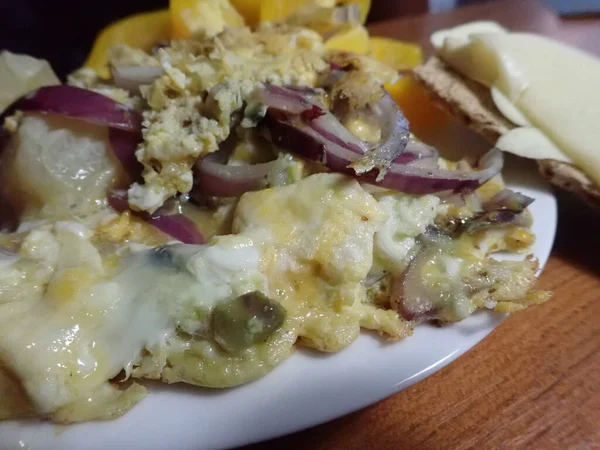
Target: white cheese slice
x=508, y=109
x=463, y=32
x=556, y=88
x=529, y=142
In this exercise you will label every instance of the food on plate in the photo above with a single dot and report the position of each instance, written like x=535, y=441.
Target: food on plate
x=143, y=31
x=184, y=18
x=216, y=202
x=277, y=10
x=504, y=84
x=21, y=74
x=207, y=17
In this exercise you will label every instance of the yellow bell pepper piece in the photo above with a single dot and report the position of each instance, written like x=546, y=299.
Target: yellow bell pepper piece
x=354, y=39
x=419, y=108
x=397, y=54
x=277, y=10
x=206, y=16
x=249, y=9
x=140, y=31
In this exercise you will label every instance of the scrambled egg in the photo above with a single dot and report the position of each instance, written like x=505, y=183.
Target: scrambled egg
x=205, y=82
x=317, y=241
x=80, y=319
x=322, y=225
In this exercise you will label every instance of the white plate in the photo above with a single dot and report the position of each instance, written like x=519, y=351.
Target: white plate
x=306, y=390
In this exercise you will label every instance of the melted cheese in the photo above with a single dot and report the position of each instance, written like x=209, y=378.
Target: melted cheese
x=324, y=223
x=316, y=238
x=66, y=341
x=408, y=217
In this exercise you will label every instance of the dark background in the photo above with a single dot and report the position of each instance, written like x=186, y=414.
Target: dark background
x=63, y=31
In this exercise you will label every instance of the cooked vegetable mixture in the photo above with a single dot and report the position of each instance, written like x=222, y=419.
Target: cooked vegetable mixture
x=192, y=211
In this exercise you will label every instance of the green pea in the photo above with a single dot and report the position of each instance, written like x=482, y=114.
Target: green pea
x=245, y=321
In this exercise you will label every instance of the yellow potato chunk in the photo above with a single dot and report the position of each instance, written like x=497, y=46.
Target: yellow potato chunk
x=353, y=39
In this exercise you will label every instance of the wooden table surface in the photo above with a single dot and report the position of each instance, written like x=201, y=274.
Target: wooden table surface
x=533, y=383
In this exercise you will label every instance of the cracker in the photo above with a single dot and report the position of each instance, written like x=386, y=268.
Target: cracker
x=570, y=178
x=472, y=103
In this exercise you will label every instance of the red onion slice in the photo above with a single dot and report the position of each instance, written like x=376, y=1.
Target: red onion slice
x=419, y=155
x=293, y=101
x=419, y=181
x=395, y=128
x=508, y=200
x=214, y=179
x=81, y=104
x=407, y=178
x=409, y=295
x=305, y=90
x=124, y=144
x=328, y=126
x=297, y=101
x=131, y=78
x=504, y=209
x=124, y=123
x=419, y=150
x=309, y=143
x=496, y=219
x=117, y=199
x=177, y=226
x=395, y=136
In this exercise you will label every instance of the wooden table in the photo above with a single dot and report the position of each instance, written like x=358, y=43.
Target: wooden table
x=534, y=383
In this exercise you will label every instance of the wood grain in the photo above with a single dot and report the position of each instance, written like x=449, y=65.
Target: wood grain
x=534, y=383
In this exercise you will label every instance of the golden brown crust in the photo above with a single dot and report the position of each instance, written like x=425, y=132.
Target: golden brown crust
x=465, y=99
x=472, y=103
